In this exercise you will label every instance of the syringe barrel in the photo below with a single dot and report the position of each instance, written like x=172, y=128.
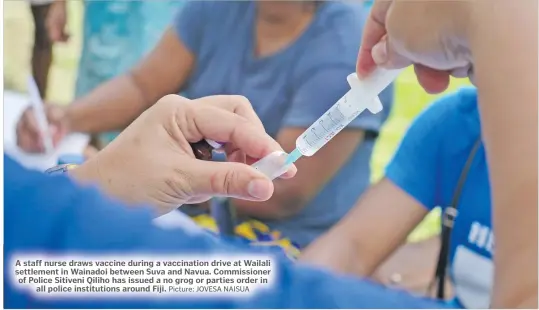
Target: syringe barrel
x=362, y=95
x=331, y=123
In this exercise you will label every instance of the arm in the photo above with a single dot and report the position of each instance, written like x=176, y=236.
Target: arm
x=56, y=21
x=312, y=98
x=511, y=149
x=415, y=263
x=374, y=229
x=390, y=210
x=115, y=104
x=53, y=215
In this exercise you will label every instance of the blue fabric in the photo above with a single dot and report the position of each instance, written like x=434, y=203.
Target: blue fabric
x=50, y=214
x=116, y=35
x=427, y=166
x=291, y=88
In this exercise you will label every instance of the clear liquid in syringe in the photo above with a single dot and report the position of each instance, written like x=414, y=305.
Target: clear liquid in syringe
x=328, y=125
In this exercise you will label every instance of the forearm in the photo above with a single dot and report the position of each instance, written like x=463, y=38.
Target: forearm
x=337, y=252
x=111, y=106
x=507, y=80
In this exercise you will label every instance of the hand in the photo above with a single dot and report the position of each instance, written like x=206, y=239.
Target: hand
x=152, y=161
x=412, y=267
x=56, y=22
x=90, y=151
x=435, y=42
x=29, y=136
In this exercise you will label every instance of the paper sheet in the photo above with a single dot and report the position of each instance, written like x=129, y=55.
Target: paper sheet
x=14, y=105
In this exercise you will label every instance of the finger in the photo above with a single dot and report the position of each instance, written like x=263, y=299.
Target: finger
x=462, y=72
x=54, y=113
x=55, y=116
x=56, y=135
x=384, y=55
x=197, y=122
x=237, y=156
x=433, y=81
x=373, y=32
x=29, y=121
x=29, y=128
x=229, y=179
x=236, y=104
x=290, y=173
x=27, y=143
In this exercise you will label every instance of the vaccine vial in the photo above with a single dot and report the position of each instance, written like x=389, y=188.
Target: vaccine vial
x=203, y=149
x=273, y=165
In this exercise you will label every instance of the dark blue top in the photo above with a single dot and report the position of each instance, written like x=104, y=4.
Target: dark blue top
x=51, y=214
x=428, y=164
x=291, y=88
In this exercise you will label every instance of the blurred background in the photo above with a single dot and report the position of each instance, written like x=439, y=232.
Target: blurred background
x=410, y=99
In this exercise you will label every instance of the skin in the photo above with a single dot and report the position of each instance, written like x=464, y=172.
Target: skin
x=42, y=49
x=456, y=35
x=384, y=212
x=177, y=176
x=57, y=21
x=115, y=104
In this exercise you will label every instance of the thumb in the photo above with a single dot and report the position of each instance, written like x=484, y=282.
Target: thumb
x=229, y=179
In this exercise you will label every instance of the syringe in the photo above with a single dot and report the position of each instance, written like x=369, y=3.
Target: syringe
x=362, y=95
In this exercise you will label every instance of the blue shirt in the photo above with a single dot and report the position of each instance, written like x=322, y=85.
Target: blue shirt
x=51, y=214
x=427, y=166
x=291, y=88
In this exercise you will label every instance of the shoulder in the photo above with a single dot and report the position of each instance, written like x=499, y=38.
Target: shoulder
x=203, y=24
x=453, y=109
x=214, y=12
x=210, y=6
x=336, y=28
x=452, y=115
x=333, y=37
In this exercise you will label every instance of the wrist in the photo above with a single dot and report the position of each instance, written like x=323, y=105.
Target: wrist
x=89, y=172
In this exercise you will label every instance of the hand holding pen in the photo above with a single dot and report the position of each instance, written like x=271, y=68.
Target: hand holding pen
x=41, y=126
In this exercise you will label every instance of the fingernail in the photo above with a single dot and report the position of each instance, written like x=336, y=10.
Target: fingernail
x=260, y=189
x=379, y=53
x=290, y=172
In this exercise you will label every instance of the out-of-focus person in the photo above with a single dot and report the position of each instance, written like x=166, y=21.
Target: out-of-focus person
x=116, y=35
x=430, y=168
x=456, y=37
x=291, y=60
x=42, y=48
